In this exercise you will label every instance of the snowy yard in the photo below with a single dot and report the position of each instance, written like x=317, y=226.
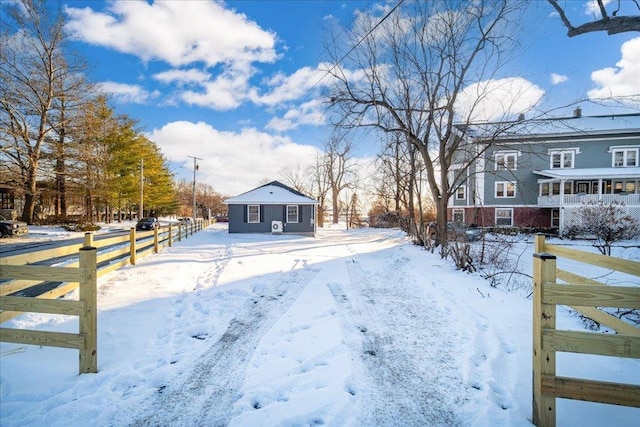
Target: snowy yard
x=352, y=328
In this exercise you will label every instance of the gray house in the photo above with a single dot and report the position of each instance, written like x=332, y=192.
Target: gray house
x=272, y=208
x=541, y=172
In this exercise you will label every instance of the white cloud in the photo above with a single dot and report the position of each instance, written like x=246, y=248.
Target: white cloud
x=558, y=78
x=180, y=33
x=309, y=113
x=497, y=99
x=593, y=9
x=295, y=86
x=182, y=76
x=126, y=93
x=623, y=80
x=176, y=32
x=233, y=162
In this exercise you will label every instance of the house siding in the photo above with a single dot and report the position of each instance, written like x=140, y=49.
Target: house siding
x=592, y=151
x=238, y=219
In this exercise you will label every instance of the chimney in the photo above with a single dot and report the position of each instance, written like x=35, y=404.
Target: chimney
x=577, y=112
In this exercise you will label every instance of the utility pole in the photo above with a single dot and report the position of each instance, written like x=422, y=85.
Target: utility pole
x=141, y=207
x=195, y=168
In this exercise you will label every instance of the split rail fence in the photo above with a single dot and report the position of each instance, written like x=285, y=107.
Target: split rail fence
x=583, y=295
x=95, y=259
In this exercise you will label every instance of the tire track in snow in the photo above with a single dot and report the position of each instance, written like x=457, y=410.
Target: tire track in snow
x=403, y=379
x=205, y=395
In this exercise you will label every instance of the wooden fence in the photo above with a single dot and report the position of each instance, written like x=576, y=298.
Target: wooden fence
x=583, y=295
x=95, y=259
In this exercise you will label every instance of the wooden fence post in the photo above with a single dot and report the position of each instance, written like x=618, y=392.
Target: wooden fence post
x=88, y=239
x=155, y=240
x=544, y=317
x=132, y=246
x=89, y=319
x=170, y=238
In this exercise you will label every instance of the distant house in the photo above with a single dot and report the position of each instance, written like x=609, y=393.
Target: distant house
x=542, y=171
x=272, y=208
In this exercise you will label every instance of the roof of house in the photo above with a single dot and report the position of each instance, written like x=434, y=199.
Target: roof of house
x=578, y=126
x=273, y=193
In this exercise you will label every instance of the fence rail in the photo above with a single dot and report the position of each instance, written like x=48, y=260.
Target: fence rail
x=583, y=295
x=81, y=274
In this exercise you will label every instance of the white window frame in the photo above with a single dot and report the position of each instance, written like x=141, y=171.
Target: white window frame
x=505, y=192
x=563, y=155
x=555, y=219
x=255, y=214
x=510, y=210
x=461, y=195
x=457, y=211
x=504, y=155
x=625, y=157
x=290, y=218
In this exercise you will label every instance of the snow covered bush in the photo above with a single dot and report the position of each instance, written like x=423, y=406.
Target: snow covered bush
x=607, y=223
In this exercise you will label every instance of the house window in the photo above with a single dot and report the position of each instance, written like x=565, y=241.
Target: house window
x=292, y=213
x=505, y=189
x=504, y=217
x=625, y=157
x=461, y=193
x=506, y=161
x=562, y=159
x=253, y=213
x=458, y=216
x=555, y=218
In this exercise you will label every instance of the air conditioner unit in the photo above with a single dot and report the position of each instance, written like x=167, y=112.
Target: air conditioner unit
x=276, y=227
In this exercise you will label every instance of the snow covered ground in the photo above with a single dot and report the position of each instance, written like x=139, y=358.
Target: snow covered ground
x=352, y=328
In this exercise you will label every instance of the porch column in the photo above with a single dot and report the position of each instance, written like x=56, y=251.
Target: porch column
x=599, y=188
x=561, y=208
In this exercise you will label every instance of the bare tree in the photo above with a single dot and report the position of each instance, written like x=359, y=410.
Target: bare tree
x=339, y=167
x=320, y=186
x=407, y=73
x=614, y=24
x=34, y=73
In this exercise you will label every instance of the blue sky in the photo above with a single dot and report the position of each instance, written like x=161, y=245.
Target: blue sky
x=237, y=84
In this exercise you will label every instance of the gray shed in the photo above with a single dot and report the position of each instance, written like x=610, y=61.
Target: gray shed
x=272, y=208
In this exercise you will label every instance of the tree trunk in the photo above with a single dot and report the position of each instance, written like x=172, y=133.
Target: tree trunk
x=336, y=207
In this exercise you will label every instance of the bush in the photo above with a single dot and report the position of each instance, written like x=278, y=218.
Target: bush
x=607, y=224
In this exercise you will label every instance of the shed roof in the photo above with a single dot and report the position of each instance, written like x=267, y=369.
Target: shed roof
x=273, y=193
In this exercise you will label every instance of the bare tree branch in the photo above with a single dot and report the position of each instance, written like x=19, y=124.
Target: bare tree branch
x=612, y=25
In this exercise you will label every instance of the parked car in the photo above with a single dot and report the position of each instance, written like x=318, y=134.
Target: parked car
x=459, y=232
x=222, y=218
x=463, y=233
x=9, y=227
x=148, y=223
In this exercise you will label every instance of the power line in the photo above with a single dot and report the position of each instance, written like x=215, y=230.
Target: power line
x=358, y=43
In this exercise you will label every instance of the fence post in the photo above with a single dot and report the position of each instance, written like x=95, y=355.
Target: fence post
x=88, y=239
x=155, y=240
x=132, y=246
x=544, y=317
x=88, y=321
x=170, y=238
x=180, y=232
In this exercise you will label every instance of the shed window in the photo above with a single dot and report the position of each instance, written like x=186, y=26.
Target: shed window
x=253, y=213
x=292, y=213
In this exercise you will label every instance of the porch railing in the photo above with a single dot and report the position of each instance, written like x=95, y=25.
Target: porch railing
x=578, y=199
